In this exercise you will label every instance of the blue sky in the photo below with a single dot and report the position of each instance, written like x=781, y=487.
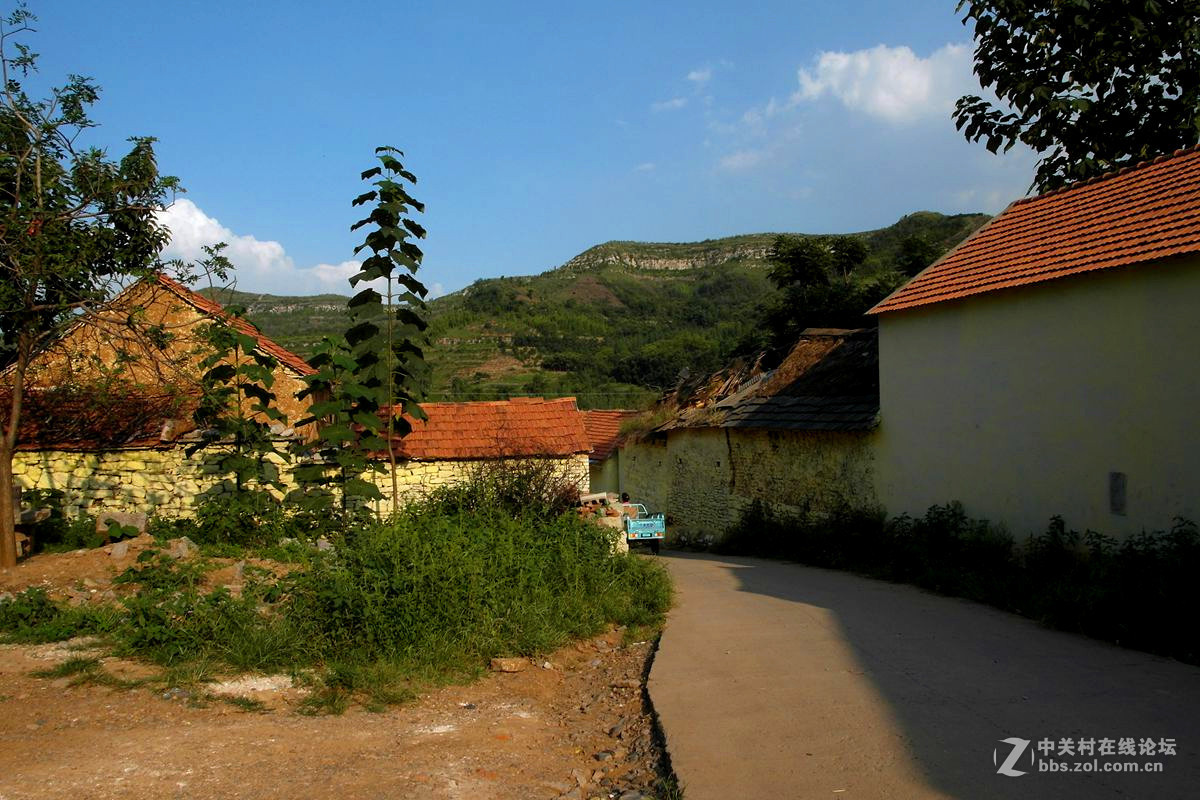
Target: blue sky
x=536, y=129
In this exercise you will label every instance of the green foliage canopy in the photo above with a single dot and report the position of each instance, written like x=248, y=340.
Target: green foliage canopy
x=1092, y=86
x=820, y=286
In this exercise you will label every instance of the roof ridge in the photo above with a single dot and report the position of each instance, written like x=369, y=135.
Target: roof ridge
x=213, y=308
x=1136, y=214
x=512, y=401
x=1113, y=173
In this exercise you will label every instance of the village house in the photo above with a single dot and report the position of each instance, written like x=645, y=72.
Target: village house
x=109, y=415
x=798, y=438
x=1048, y=364
x=109, y=405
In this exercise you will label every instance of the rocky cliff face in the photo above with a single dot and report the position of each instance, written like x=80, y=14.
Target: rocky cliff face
x=668, y=256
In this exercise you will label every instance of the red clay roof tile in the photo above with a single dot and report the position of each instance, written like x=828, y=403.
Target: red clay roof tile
x=604, y=430
x=1139, y=214
x=518, y=428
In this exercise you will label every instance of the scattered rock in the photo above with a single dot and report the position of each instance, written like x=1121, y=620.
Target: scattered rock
x=508, y=664
x=120, y=549
x=251, y=683
x=595, y=662
x=603, y=755
x=619, y=728
x=182, y=548
x=632, y=794
x=239, y=570
x=627, y=683
x=324, y=544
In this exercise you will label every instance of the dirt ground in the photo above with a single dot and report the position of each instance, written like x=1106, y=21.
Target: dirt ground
x=573, y=725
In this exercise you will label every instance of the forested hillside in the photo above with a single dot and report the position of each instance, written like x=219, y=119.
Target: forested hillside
x=616, y=324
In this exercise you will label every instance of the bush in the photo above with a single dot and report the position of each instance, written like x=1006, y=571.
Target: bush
x=257, y=520
x=519, y=488
x=31, y=616
x=437, y=586
x=1132, y=592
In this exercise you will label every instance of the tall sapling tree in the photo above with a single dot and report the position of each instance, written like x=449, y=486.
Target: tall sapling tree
x=390, y=369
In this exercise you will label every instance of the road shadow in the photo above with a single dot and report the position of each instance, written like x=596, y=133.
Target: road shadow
x=959, y=677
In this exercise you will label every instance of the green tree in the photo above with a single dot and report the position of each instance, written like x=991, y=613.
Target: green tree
x=1091, y=86
x=820, y=284
x=389, y=358
x=74, y=226
x=916, y=253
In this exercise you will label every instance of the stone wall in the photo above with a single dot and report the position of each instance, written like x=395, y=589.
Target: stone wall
x=606, y=476
x=704, y=478
x=169, y=483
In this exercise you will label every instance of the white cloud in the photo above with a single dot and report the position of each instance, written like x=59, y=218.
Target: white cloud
x=647, y=166
x=742, y=160
x=891, y=82
x=673, y=104
x=260, y=266
x=700, y=76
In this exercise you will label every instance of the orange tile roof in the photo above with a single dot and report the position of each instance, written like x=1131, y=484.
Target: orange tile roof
x=518, y=428
x=215, y=309
x=1139, y=214
x=604, y=430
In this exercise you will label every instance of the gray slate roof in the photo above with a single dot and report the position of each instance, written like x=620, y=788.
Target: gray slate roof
x=828, y=382
x=805, y=413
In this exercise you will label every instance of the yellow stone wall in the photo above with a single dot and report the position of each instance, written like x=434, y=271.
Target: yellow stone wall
x=703, y=479
x=169, y=483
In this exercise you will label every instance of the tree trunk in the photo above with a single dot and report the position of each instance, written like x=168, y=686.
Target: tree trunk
x=8, y=447
x=8, y=533
x=391, y=399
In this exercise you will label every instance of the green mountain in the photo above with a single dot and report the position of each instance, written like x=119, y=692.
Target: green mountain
x=614, y=326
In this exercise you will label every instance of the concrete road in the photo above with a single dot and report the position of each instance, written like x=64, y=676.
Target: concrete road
x=779, y=681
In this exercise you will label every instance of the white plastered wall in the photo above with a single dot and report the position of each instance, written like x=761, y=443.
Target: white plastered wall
x=1021, y=402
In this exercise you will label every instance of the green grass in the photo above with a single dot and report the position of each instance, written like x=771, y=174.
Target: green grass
x=72, y=666
x=84, y=670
